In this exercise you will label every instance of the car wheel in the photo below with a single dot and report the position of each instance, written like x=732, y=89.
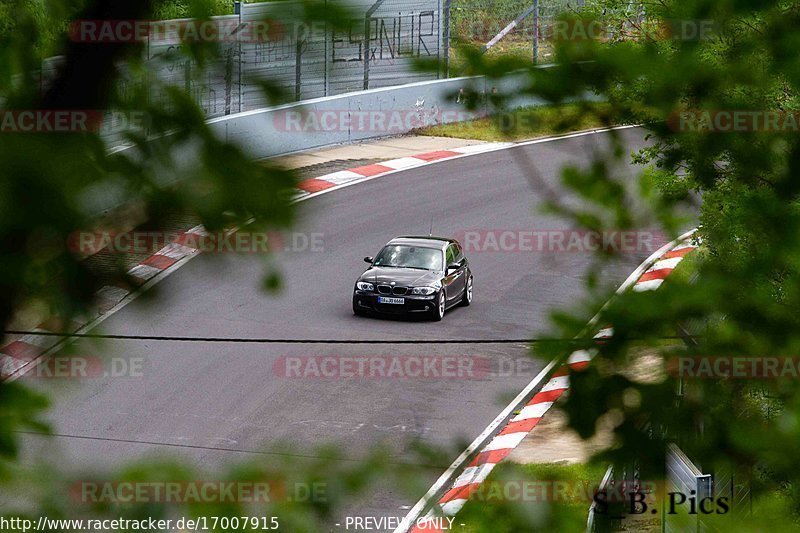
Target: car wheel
x=467, y=299
x=438, y=310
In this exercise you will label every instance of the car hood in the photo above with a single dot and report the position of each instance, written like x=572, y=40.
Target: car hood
x=404, y=277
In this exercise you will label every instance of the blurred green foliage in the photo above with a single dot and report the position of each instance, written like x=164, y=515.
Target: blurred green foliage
x=54, y=184
x=657, y=64
x=688, y=57
x=744, y=185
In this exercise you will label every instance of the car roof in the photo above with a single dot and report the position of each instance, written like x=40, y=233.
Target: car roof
x=417, y=240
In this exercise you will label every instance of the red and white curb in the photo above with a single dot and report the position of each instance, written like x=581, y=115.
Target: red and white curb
x=518, y=427
x=22, y=351
x=335, y=179
x=18, y=354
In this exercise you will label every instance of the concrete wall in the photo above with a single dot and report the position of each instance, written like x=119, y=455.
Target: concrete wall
x=353, y=117
x=359, y=116
x=346, y=118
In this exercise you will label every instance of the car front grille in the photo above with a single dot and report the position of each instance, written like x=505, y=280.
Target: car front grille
x=397, y=291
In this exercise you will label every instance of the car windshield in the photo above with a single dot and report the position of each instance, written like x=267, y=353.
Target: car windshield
x=398, y=255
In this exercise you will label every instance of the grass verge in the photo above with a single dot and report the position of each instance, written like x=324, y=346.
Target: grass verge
x=528, y=123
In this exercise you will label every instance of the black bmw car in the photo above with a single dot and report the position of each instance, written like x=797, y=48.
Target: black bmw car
x=426, y=275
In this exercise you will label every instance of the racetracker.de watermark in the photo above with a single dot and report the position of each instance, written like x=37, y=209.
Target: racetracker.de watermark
x=585, y=29
x=400, y=120
x=373, y=121
x=430, y=367
x=734, y=121
x=71, y=121
x=76, y=367
x=597, y=30
x=149, y=242
x=734, y=367
x=197, y=491
x=383, y=367
x=560, y=241
x=635, y=497
x=555, y=491
x=129, y=31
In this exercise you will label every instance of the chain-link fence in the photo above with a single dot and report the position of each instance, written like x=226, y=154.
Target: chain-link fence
x=378, y=45
x=482, y=22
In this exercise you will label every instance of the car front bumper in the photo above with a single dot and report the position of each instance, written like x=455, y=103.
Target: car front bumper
x=368, y=301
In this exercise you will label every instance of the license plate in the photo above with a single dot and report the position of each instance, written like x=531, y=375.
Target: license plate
x=387, y=300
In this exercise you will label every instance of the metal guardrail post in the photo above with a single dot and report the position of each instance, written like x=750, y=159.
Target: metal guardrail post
x=237, y=8
x=446, y=38
x=705, y=486
x=536, y=32
x=187, y=76
x=228, y=80
x=298, y=70
x=367, y=30
x=325, y=64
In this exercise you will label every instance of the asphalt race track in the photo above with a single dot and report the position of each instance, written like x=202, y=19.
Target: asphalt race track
x=215, y=402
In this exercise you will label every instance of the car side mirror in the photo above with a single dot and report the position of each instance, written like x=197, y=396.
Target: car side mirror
x=453, y=266
x=368, y=259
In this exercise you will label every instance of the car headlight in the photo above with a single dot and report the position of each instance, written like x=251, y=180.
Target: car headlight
x=364, y=286
x=424, y=291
